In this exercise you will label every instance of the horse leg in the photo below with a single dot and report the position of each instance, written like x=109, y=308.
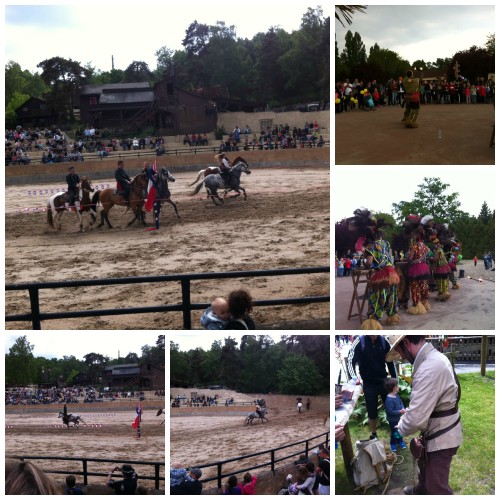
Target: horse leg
x=175, y=207
x=107, y=220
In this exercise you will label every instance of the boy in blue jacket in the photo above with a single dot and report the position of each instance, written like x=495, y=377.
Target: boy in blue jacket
x=394, y=408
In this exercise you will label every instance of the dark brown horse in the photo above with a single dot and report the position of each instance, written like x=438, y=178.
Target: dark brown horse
x=110, y=197
x=56, y=205
x=216, y=170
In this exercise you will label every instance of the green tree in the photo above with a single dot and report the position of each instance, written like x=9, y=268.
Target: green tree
x=485, y=214
x=137, y=71
x=474, y=63
x=299, y=375
x=65, y=77
x=16, y=100
x=490, y=43
x=230, y=362
x=354, y=53
x=95, y=363
x=430, y=199
x=20, y=365
x=179, y=367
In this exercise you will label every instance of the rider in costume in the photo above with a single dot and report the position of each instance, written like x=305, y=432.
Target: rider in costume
x=159, y=194
x=412, y=100
x=72, y=196
x=418, y=270
x=123, y=181
x=383, y=283
x=224, y=165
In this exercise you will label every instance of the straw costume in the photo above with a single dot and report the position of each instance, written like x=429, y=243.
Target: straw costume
x=383, y=283
x=418, y=272
x=412, y=100
x=443, y=242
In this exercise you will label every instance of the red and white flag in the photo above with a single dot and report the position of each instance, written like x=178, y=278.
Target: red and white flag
x=151, y=191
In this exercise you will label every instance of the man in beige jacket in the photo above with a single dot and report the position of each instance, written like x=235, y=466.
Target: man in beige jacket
x=433, y=411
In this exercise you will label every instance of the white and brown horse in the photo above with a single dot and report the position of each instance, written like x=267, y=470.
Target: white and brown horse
x=56, y=205
x=215, y=170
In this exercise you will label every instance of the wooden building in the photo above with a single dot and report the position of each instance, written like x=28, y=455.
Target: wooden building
x=132, y=376
x=34, y=113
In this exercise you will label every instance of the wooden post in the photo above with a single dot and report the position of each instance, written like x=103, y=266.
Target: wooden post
x=484, y=354
x=347, y=451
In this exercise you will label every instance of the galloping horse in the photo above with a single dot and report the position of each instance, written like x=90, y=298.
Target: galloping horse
x=251, y=416
x=215, y=170
x=56, y=205
x=70, y=418
x=161, y=412
x=110, y=197
x=215, y=181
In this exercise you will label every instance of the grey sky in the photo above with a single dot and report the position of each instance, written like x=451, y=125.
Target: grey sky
x=59, y=344
x=92, y=32
x=377, y=188
x=425, y=32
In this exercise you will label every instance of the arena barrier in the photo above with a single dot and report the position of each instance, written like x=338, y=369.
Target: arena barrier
x=36, y=316
x=85, y=467
x=308, y=446
x=59, y=426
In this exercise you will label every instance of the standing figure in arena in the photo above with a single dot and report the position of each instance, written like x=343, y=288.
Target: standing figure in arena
x=412, y=100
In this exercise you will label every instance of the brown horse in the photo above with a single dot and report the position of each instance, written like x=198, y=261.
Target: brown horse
x=110, y=197
x=215, y=170
x=56, y=205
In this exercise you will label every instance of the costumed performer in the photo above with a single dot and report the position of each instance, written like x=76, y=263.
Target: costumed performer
x=412, y=100
x=442, y=241
x=383, y=283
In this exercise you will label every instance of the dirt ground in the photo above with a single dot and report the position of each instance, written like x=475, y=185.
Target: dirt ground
x=221, y=436
x=284, y=223
x=37, y=431
x=447, y=135
x=472, y=307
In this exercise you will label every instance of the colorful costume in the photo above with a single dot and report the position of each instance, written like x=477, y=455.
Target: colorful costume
x=412, y=100
x=441, y=273
x=418, y=272
x=383, y=283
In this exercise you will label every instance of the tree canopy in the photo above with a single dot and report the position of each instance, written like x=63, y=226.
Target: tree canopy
x=296, y=364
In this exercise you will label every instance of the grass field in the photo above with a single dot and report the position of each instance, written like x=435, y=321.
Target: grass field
x=472, y=469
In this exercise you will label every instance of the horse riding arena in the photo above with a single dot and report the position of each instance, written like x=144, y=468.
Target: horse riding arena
x=106, y=433
x=284, y=223
x=203, y=435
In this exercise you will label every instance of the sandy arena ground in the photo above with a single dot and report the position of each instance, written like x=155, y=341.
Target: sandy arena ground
x=284, y=223
x=37, y=431
x=447, y=135
x=220, y=437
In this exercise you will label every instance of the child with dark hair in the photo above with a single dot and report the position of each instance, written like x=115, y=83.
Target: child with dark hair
x=240, y=306
x=394, y=408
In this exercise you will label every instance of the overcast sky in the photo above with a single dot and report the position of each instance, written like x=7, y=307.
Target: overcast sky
x=376, y=189
x=57, y=345
x=92, y=32
x=425, y=32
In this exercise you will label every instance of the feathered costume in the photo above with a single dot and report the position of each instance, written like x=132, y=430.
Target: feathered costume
x=418, y=272
x=383, y=283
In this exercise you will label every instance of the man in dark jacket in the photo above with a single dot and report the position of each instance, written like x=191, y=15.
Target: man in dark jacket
x=123, y=181
x=72, y=196
x=188, y=487
x=128, y=485
x=369, y=354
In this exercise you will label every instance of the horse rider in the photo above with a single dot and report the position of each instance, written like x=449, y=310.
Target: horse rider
x=72, y=196
x=224, y=166
x=123, y=181
x=65, y=414
x=153, y=185
x=258, y=410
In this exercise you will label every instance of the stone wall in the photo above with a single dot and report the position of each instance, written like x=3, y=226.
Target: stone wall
x=105, y=169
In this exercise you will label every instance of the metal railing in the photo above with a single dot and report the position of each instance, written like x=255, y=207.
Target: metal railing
x=36, y=316
x=85, y=469
x=272, y=458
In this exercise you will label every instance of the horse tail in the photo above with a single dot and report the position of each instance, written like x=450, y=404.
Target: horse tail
x=197, y=189
x=200, y=173
x=95, y=201
x=50, y=218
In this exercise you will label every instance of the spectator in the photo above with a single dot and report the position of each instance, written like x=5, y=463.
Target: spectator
x=306, y=479
x=25, y=478
x=248, y=485
x=232, y=487
x=186, y=140
x=322, y=483
x=216, y=317
x=127, y=485
x=71, y=488
x=190, y=485
x=240, y=306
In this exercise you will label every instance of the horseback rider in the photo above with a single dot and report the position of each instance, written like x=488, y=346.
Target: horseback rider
x=224, y=166
x=72, y=195
x=123, y=181
x=65, y=414
x=259, y=411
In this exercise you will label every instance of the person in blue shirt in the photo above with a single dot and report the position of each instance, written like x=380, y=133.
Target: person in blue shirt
x=394, y=408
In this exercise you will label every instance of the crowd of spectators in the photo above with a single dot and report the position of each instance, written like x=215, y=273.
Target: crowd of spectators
x=349, y=97
x=89, y=394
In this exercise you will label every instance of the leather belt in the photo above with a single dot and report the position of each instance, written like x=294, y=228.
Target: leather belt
x=444, y=413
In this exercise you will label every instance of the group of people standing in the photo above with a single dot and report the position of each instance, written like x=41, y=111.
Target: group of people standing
x=432, y=253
